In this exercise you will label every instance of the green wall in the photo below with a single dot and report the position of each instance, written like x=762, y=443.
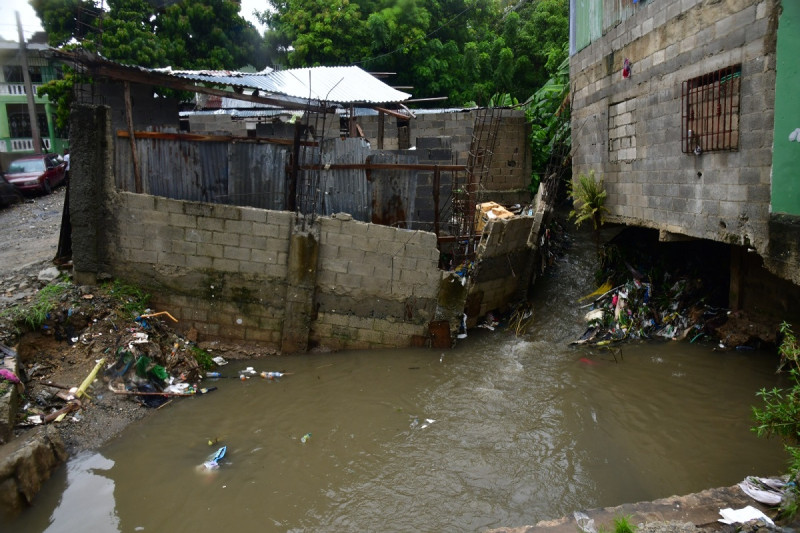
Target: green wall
x=786, y=154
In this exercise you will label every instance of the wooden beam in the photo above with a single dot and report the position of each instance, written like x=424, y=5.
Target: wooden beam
x=391, y=113
x=381, y=120
x=197, y=137
x=165, y=80
x=137, y=176
x=386, y=166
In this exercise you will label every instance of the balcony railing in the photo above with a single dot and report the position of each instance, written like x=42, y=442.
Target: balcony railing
x=16, y=89
x=22, y=144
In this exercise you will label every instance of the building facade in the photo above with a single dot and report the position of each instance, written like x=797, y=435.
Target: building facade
x=16, y=138
x=686, y=109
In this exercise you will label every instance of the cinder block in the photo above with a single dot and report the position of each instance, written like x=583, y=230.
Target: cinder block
x=244, y=227
x=172, y=259
x=225, y=265
x=184, y=247
x=138, y=202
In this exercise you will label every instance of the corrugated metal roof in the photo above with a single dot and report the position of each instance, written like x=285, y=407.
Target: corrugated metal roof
x=325, y=84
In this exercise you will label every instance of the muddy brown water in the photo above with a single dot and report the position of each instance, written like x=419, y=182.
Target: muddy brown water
x=500, y=431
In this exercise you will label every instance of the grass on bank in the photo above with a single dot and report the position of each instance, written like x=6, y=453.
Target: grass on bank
x=36, y=313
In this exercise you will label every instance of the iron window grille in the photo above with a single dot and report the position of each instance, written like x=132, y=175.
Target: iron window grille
x=710, y=104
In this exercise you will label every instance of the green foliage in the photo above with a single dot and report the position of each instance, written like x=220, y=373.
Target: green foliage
x=203, y=358
x=502, y=100
x=466, y=50
x=195, y=34
x=132, y=300
x=589, y=197
x=36, y=314
x=780, y=414
x=622, y=524
x=547, y=112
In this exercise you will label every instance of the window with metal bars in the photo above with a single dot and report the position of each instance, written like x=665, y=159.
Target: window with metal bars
x=710, y=105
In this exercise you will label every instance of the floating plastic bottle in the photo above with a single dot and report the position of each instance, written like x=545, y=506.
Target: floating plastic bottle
x=305, y=438
x=271, y=375
x=213, y=374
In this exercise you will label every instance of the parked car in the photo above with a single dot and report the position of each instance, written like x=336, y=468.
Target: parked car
x=36, y=173
x=8, y=193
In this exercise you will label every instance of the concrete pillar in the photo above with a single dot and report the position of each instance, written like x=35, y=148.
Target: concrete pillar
x=736, y=290
x=301, y=281
x=91, y=180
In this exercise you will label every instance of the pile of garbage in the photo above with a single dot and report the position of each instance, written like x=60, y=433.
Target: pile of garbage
x=668, y=291
x=638, y=310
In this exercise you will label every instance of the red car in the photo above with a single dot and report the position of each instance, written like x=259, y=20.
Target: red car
x=36, y=173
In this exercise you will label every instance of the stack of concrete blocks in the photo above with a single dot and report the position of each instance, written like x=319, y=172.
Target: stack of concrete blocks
x=509, y=175
x=217, y=123
x=722, y=196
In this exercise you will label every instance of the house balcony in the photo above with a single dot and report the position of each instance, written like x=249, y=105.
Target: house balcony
x=22, y=144
x=16, y=89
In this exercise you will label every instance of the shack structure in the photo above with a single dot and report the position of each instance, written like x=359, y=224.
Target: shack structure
x=298, y=233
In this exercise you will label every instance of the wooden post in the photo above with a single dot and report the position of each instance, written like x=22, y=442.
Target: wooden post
x=381, y=119
x=436, y=180
x=137, y=177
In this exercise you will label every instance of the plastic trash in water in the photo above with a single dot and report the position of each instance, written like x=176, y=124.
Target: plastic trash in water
x=213, y=461
x=272, y=375
x=213, y=374
x=305, y=438
x=585, y=524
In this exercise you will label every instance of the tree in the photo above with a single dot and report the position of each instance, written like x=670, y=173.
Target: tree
x=191, y=34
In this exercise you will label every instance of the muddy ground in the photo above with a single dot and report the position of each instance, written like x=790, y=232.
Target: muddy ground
x=28, y=246
x=84, y=325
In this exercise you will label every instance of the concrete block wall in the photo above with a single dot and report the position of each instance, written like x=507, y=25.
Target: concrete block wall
x=502, y=265
x=376, y=287
x=219, y=269
x=511, y=165
x=222, y=270
x=723, y=196
x=217, y=123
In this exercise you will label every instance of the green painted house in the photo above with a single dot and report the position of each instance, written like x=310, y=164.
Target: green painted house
x=15, y=128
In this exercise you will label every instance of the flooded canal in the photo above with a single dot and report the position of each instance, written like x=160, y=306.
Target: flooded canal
x=500, y=431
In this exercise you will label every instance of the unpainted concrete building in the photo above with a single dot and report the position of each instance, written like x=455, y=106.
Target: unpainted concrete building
x=688, y=110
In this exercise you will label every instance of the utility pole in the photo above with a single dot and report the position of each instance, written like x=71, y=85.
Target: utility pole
x=26, y=77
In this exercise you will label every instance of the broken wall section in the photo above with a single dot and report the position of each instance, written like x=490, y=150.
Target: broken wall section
x=502, y=266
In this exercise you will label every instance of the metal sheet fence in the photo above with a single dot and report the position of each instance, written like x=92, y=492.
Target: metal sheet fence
x=346, y=191
x=255, y=175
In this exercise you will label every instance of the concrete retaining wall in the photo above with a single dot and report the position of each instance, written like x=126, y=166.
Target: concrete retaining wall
x=226, y=272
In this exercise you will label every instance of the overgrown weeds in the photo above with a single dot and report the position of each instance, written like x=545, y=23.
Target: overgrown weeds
x=780, y=414
x=203, y=358
x=132, y=300
x=36, y=313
